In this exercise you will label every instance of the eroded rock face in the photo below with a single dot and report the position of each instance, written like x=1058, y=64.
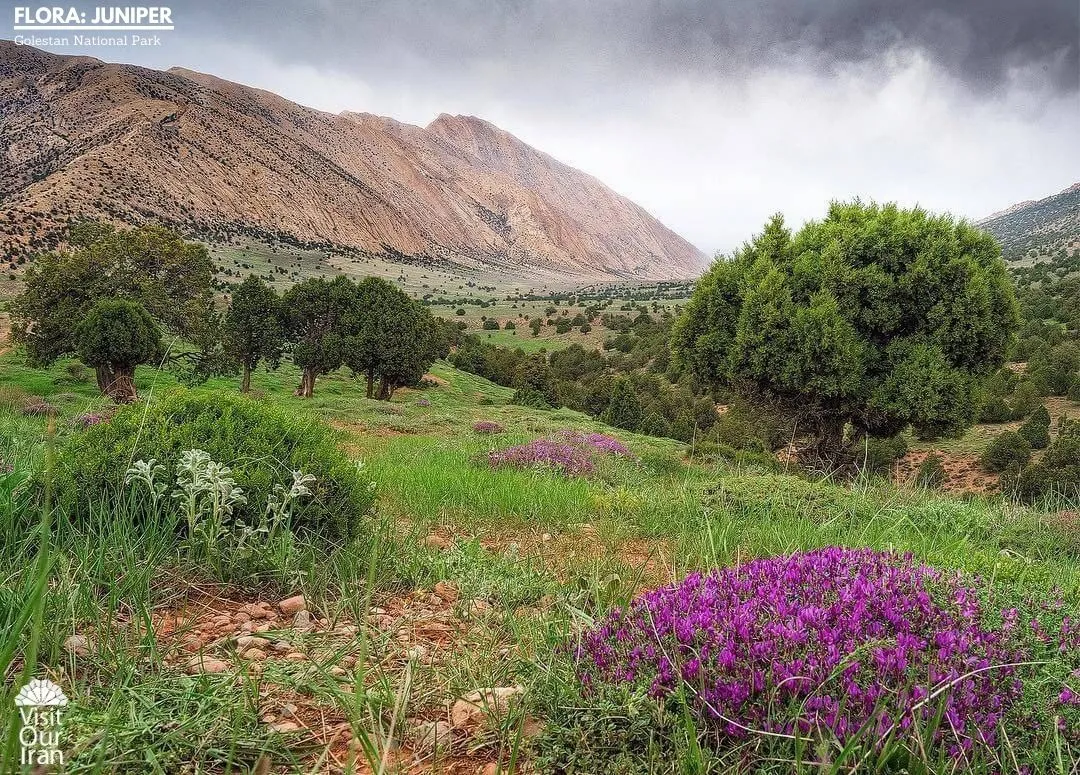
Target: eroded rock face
x=88, y=138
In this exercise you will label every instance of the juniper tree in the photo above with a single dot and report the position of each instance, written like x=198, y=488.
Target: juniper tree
x=876, y=316
x=252, y=329
x=114, y=337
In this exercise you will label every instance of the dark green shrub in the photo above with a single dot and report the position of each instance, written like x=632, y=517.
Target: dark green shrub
x=491, y=325
x=1007, y=449
x=1036, y=429
x=260, y=443
x=1074, y=390
x=530, y=397
x=1025, y=399
x=1058, y=473
x=931, y=473
x=995, y=411
x=509, y=325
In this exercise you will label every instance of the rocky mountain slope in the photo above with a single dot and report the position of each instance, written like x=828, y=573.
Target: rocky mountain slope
x=83, y=138
x=1031, y=231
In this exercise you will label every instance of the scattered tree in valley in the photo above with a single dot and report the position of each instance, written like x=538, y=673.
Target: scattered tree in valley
x=252, y=329
x=169, y=278
x=114, y=337
x=875, y=318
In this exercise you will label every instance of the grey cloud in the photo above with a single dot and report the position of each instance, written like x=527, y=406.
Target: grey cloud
x=978, y=41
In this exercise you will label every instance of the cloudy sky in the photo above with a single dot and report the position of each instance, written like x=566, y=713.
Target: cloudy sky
x=712, y=115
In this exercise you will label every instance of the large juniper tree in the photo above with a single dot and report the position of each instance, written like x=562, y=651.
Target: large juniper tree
x=319, y=317
x=170, y=278
x=114, y=337
x=874, y=318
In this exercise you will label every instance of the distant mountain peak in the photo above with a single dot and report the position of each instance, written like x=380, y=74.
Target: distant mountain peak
x=87, y=138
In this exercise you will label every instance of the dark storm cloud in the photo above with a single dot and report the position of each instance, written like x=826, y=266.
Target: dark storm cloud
x=979, y=41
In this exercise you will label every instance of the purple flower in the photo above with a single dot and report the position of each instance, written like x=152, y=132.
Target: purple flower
x=423, y=402
x=567, y=458
x=598, y=441
x=487, y=427
x=838, y=639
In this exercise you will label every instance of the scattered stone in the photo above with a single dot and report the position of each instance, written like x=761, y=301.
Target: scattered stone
x=337, y=671
x=430, y=736
x=204, y=664
x=291, y=605
x=247, y=626
x=472, y=709
x=255, y=655
x=77, y=645
x=221, y=621
x=302, y=621
x=269, y=718
x=545, y=537
x=264, y=627
x=251, y=641
x=284, y=727
x=281, y=646
x=417, y=652
x=241, y=617
x=295, y=656
x=193, y=643
x=256, y=610
x=288, y=709
x=348, y=661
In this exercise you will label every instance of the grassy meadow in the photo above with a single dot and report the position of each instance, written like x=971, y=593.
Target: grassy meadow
x=465, y=577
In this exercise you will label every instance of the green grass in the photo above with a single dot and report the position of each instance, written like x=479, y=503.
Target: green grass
x=543, y=551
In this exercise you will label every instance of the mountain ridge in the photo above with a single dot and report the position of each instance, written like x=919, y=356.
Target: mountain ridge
x=1034, y=230
x=85, y=138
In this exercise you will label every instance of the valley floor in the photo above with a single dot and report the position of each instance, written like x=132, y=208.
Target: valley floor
x=438, y=647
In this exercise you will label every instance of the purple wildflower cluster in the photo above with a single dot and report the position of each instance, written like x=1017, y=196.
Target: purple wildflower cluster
x=423, y=402
x=835, y=639
x=487, y=427
x=90, y=418
x=568, y=458
x=37, y=406
x=600, y=442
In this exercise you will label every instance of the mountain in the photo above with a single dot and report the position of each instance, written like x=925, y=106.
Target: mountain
x=84, y=138
x=1031, y=231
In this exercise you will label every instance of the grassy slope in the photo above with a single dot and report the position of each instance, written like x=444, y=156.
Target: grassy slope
x=518, y=539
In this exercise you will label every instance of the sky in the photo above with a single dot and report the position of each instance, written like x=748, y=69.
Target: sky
x=711, y=114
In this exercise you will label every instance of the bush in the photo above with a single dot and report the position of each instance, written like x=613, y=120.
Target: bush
x=491, y=325
x=1036, y=429
x=1074, y=391
x=931, y=473
x=1006, y=450
x=260, y=443
x=509, y=325
x=840, y=644
x=1058, y=473
x=530, y=397
x=995, y=411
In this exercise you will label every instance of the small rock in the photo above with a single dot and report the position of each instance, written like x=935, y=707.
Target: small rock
x=251, y=641
x=193, y=643
x=256, y=611
x=77, y=644
x=292, y=605
x=430, y=736
x=447, y=591
x=288, y=709
x=221, y=621
x=435, y=541
x=281, y=646
x=295, y=656
x=241, y=617
x=255, y=655
x=348, y=661
x=269, y=718
x=247, y=626
x=284, y=727
x=545, y=537
x=302, y=621
x=264, y=627
x=337, y=671
x=472, y=709
x=531, y=728
x=417, y=652
x=206, y=664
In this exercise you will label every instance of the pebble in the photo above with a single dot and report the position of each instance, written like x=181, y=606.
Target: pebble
x=474, y=706
x=206, y=665
x=291, y=605
x=77, y=644
x=255, y=655
x=284, y=727
x=430, y=736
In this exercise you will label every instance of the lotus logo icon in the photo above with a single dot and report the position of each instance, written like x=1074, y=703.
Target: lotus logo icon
x=40, y=692
x=39, y=704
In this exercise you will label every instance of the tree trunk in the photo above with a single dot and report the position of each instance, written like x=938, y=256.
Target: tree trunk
x=245, y=384
x=386, y=389
x=370, y=384
x=117, y=382
x=307, y=383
